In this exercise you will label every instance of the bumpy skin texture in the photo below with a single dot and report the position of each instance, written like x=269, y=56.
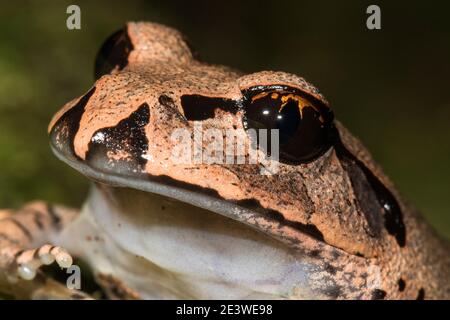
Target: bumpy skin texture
x=123, y=125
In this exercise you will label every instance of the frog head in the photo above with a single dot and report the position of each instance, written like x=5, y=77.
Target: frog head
x=158, y=120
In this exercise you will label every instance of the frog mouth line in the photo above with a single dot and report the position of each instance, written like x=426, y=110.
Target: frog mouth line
x=249, y=212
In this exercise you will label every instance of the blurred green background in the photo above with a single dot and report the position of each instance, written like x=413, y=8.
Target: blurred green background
x=390, y=87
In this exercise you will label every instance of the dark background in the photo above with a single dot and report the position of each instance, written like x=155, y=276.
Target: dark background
x=390, y=87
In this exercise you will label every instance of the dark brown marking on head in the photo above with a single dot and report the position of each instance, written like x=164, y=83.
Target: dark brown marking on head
x=401, y=285
x=421, y=294
x=393, y=217
x=366, y=198
x=63, y=132
x=378, y=294
x=198, y=108
x=113, y=53
x=121, y=148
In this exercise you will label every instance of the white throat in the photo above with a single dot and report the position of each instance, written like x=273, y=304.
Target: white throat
x=166, y=249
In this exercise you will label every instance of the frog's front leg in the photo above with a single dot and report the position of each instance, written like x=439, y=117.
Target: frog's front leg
x=25, y=238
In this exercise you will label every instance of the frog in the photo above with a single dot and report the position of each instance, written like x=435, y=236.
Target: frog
x=314, y=217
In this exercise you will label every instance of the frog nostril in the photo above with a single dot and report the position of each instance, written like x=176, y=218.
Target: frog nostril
x=113, y=53
x=166, y=101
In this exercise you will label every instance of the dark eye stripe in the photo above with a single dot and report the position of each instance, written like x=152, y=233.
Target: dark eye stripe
x=386, y=205
x=198, y=108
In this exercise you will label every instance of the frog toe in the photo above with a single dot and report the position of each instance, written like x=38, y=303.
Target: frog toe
x=30, y=261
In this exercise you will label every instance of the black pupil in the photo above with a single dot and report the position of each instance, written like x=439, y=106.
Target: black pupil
x=303, y=127
x=113, y=53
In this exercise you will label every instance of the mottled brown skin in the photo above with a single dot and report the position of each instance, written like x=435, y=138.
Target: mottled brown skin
x=315, y=203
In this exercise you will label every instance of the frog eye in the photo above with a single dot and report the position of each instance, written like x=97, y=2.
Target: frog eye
x=304, y=123
x=113, y=53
